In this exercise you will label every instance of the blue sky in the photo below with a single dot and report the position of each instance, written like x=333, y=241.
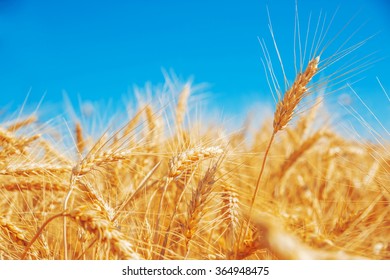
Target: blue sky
x=98, y=50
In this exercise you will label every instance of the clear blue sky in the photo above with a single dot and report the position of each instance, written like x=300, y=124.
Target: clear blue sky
x=100, y=49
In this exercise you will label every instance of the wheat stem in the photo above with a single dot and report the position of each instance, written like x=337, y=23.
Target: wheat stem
x=62, y=214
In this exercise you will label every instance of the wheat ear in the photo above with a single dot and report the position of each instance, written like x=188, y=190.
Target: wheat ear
x=230, y=215
x=284, y=112
x=182, y=105
x=179, y=165
x=195, y=211
x=182, y=165
x=13, y=231
x=32, y=185
x=95, y=220
x=286, y=107
x=80, y=142
x=19, y=124
x=185, y=161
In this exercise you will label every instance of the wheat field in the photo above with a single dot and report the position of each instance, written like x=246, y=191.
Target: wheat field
x=165, y=185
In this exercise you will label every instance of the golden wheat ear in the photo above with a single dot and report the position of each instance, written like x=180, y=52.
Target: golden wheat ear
x=283, y=114
x=286, y=107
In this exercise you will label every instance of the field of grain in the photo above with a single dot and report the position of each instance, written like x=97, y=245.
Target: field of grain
x=165, y=185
